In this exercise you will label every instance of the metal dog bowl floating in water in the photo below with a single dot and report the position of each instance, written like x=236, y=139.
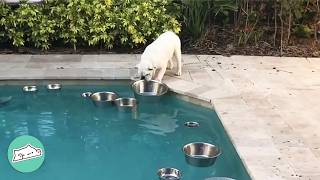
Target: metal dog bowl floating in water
x=54, y=86
x=29, y=89
x=86, y=94
x=201, y=154
x=149, y=90
x=126, y=104
x=169, y=174
x=103, y=99
x=192, y=124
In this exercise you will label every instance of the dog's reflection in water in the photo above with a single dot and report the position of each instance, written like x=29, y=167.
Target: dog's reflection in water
x=159, y=124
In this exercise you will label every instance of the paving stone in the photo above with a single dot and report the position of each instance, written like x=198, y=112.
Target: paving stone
x=200, y=76
x=109, y=58
x=203, y=58
x=270, y=167
x=11, y=58
x=21, y=73
x=55, y=58
x=121, y=73
x=225, y=90
x=180, y=86
x=185, y=75
x=138, y=57
x=12, y=65
x=189, y=59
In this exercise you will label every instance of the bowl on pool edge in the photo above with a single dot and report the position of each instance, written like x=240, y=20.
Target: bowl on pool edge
x=103, y=99
x=149, y=90
x=201, y=154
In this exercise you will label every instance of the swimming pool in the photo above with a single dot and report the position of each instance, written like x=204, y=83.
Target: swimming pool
x=84, y=142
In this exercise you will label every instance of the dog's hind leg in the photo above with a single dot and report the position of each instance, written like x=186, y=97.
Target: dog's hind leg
x=177, y=54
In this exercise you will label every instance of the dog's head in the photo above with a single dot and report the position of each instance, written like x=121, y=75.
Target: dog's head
x=146, y=71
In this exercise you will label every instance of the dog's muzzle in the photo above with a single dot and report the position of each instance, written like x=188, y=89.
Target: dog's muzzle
x=146, y=77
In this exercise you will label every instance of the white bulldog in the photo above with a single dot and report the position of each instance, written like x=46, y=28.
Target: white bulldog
x=159, y=55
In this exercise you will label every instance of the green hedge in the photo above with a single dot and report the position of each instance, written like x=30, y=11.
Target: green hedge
x=105, y=23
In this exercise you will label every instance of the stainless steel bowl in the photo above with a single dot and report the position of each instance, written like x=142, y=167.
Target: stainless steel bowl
x=192, y=124
x=201, y=154
x=103, y=99
x=29, y=89
x=126, y=104
x=149, y=90
x=54, y=86
x=86, y=94
x=169, y=174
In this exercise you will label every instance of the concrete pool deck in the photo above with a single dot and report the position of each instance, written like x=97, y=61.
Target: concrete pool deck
x=269, y=106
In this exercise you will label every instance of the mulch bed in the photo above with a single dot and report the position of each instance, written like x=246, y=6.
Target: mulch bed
x=224, y=42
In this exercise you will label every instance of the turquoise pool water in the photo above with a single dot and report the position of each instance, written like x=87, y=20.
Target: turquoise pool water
x=84, y=142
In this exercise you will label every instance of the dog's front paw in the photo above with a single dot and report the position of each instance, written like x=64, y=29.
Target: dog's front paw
x=178, y=73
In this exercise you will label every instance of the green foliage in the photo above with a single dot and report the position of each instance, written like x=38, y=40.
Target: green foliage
x=195, y=16
x=132, y=23
x=86, y=22
x=102, y=23
x=223, y=9
x=302, y=31
x=276, y=21
x=197, y=13
x=4, y=10
x=302, y=14
x=253, y=21
x=247, y=25
x=140, y=21
x=26, y=24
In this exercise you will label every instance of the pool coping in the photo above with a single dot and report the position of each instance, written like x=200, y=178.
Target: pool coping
x=259, y=148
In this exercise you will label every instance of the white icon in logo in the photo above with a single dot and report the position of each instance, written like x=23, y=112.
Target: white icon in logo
x=25, y=153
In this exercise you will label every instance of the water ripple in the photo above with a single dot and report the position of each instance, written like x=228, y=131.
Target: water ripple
x=46, y=124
